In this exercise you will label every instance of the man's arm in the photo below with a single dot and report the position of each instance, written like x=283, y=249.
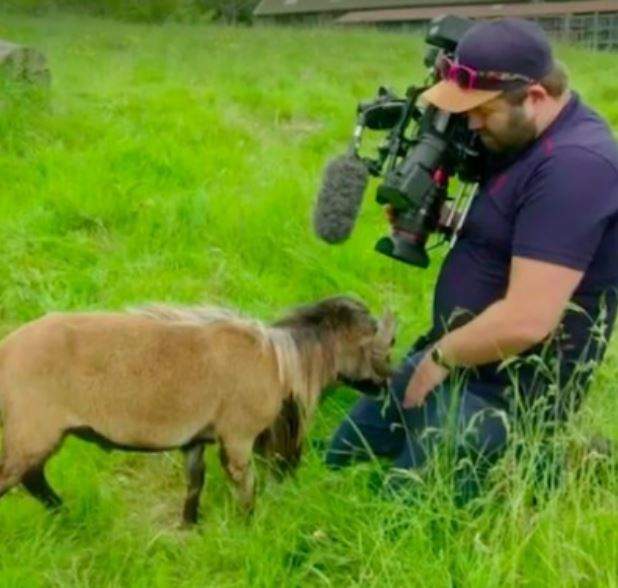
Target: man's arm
x=536, y=298
x=561, y=217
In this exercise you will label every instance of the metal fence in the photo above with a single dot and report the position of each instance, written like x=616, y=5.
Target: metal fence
x=593, y=30
x=597, y=31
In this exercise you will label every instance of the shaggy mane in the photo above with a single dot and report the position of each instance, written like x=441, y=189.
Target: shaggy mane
x=202, y=315
x=288, y=354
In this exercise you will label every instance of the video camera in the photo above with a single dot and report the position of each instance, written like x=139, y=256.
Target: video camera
x=424, y=147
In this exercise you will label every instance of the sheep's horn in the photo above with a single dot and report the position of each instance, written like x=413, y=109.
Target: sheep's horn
x=386, y=328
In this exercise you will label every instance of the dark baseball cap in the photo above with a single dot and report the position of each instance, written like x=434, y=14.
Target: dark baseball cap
x=498, y=50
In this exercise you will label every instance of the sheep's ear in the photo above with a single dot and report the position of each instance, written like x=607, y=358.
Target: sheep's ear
x=386, y=328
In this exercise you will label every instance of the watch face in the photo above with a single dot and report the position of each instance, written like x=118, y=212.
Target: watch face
x=437, y=358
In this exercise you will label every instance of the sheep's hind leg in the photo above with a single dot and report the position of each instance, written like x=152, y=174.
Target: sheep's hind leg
x=24, y=461
x=36, y=484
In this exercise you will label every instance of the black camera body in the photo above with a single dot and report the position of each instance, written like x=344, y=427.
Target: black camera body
x=424, y=147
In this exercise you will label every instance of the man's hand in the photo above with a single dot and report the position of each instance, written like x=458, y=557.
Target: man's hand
x=425, y=378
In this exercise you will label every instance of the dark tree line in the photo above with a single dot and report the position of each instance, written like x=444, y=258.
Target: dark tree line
x=229, y=11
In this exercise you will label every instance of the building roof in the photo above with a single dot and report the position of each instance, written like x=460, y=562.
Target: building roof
x=281, y=7
x=480, y=11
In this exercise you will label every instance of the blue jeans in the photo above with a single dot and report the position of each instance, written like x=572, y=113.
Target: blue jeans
x=474, y=418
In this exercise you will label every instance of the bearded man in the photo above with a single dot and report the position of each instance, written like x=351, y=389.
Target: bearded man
x=541, y=237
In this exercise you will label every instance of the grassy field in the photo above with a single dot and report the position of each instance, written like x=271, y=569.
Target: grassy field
x=179, y=164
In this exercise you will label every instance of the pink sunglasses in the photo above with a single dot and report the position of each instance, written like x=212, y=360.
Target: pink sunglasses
x=469, y=78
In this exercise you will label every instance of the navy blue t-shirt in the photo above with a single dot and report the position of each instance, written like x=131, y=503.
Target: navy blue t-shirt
x=556, y=202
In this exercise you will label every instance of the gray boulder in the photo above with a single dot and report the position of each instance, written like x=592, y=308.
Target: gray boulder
x=18, y=62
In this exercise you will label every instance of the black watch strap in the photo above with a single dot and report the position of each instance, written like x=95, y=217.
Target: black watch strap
x=438, y=358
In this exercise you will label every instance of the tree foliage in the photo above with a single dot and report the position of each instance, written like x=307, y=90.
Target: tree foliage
x=229, y=11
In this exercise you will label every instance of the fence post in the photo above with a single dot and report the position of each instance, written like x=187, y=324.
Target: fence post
x=595, y=31
x=566, y=28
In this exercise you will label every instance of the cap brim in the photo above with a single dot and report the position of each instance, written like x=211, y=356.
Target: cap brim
x=449, y=96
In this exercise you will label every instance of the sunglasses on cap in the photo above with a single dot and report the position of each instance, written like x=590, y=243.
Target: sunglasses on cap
x=468, y=78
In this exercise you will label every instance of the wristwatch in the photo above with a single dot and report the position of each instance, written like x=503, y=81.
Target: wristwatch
x=437, y=356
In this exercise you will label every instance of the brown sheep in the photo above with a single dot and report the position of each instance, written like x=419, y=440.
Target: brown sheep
x=160, y=378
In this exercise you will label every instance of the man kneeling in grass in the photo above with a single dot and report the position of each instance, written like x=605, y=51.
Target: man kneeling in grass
x=542, y=233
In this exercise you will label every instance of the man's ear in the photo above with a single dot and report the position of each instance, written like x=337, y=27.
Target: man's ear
x=537, y=93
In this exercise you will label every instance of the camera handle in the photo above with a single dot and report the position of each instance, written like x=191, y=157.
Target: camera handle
x=467, y=194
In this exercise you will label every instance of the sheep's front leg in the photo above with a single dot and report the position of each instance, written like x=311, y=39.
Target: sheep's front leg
x=236, y=460
x=196, y=473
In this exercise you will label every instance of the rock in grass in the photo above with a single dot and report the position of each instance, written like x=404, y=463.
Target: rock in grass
x=21, y=63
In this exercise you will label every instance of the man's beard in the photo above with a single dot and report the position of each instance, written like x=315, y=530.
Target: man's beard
x=518, y=134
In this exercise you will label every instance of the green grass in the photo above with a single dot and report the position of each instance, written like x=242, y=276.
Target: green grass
x=179, y=164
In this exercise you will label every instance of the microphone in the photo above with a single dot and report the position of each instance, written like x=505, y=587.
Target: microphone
x=340, y=198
